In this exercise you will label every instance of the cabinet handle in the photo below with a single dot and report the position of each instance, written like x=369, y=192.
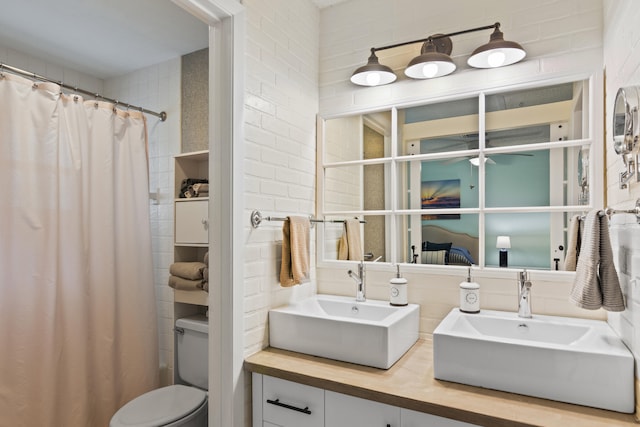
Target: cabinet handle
x=293, y=408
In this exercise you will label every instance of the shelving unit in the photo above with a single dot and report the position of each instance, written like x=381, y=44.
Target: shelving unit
x=191, y=227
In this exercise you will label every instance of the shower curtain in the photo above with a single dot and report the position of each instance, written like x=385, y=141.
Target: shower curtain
x=78, y=332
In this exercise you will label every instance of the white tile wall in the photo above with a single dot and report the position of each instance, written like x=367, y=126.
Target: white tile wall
x=157, y=88
x=281, y=103
x=56, y=72
x=622, y=65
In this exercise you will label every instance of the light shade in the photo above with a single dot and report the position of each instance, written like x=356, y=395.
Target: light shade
x=430, y=63
x=475, y=161
x=503, y=242
x=373, y=74
x=496, y=53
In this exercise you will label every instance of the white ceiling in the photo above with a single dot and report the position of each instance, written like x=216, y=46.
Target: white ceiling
x=103, y=38
x=326, y=3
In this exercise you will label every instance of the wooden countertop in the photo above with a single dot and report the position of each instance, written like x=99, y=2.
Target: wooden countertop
x=410, y=384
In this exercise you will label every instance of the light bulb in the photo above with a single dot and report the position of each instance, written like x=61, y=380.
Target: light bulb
x=373, y=79
x=496, y=59
x=429, y=70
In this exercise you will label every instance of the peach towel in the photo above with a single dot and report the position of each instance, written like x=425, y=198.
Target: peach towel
x=294, y=268
x=350, y=246
x=187, y=270
x=185, y=284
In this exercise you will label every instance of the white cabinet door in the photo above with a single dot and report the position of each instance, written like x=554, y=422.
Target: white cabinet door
x=420, y=419
x=289, y=404
x=192, y=222
x=342, y=410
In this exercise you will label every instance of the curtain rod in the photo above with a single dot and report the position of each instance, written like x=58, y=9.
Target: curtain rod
x=162, y=115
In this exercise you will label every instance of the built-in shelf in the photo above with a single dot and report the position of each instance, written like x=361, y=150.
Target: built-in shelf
x=191, y=297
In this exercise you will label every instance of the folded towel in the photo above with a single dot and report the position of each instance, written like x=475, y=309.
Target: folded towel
x=573, y=244
x=200, y=189
x=294, y=268
x=185, y=284
x=596, y=283
x=187, y=270
x=350, y=246
x=205, y=273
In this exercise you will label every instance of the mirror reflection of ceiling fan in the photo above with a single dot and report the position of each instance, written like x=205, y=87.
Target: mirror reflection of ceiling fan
x=475, y=161
x=470, y=141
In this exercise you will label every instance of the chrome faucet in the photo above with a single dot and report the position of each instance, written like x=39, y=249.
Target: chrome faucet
x=360, y=282
x=524, y=295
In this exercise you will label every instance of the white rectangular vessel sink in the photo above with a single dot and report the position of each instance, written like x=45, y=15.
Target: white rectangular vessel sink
x=371, y=333
x=569, y=360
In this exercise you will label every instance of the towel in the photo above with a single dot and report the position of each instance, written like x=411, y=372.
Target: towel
x=185, y=284
x=187, y=270
x=205, y=273
x=573, y=244
x=294, y=268
x=350, y=246
x=596, y=283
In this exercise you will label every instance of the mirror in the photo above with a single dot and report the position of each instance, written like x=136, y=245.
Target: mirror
x=625, y=130
x=426, y=180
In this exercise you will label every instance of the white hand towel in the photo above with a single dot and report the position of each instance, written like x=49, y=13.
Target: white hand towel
x=596, y=283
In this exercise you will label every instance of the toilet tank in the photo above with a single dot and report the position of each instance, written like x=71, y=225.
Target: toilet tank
x=192, y=350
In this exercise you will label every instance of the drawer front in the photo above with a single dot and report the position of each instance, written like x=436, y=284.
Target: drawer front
x=419, y=419
x=290, y=404
x=192, y=222
x=348, y=411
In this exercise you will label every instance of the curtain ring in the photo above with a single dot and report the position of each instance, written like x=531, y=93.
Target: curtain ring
x=75, y=98
x=34, y=85
x=96, y=105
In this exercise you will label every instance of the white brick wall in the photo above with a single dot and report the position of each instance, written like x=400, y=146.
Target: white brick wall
x=281, y=103
x=561, y=37
x=622, y=64
x=545, y=28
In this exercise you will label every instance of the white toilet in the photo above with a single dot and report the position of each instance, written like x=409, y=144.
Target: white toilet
x=185, y=403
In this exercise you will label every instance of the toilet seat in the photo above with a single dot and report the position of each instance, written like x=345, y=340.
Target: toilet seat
x=159, y=407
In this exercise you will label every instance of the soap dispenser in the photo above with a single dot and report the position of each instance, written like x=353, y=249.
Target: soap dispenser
x=398, y=289
x=469, y=295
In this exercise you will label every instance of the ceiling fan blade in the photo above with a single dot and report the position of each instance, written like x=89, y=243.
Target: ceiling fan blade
x=518, y=154
x=452, y=161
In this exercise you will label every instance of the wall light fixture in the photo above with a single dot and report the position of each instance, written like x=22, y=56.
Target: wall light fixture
x=434, y=60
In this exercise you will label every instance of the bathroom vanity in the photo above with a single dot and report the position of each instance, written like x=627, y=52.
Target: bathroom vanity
x=405, y=395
